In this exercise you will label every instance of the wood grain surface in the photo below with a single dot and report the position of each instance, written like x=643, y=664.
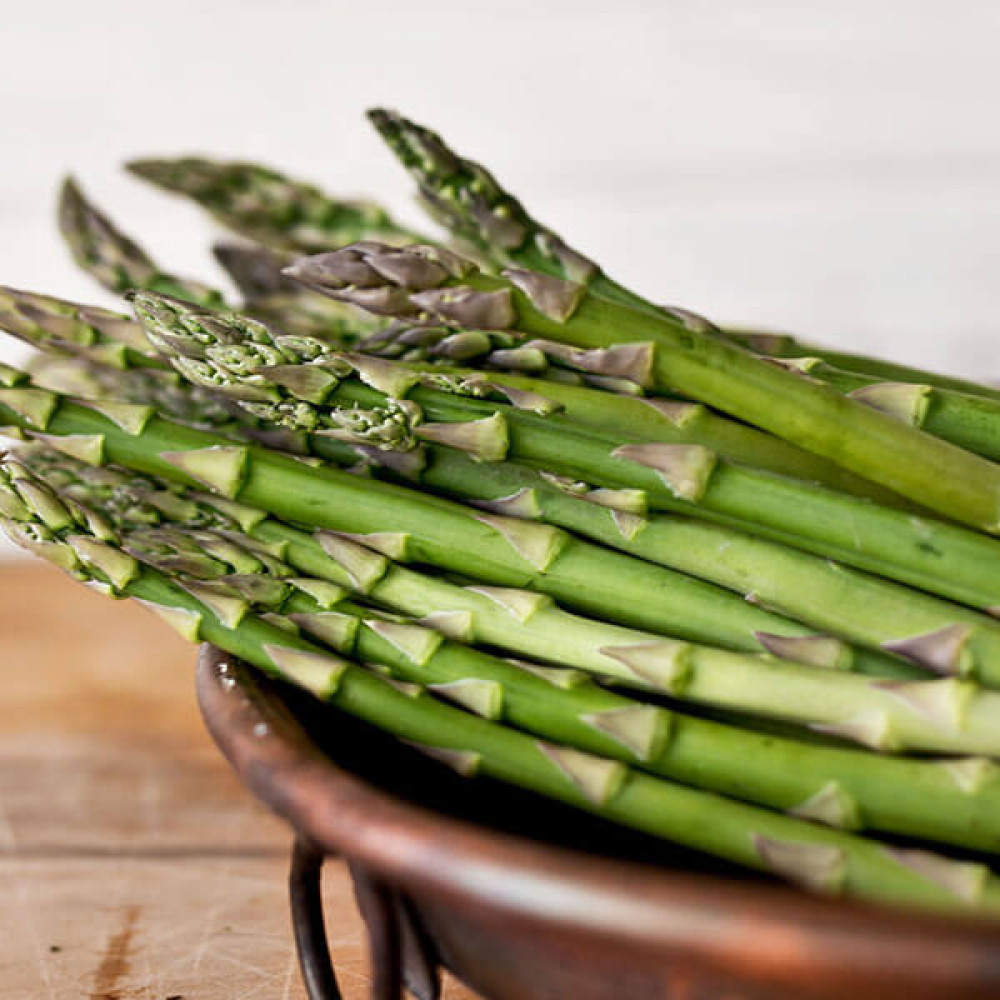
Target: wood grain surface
x=132, y=863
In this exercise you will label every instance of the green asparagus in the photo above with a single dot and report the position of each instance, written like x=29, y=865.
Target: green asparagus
x=839, y=787
x=107, y=337
x=270, y=208
x=746, y=582
x=423, y=529
x=468, y=200
x=114, y=259
x=273, y=298
x=861, y=609
x=425, y=283
x=85, y=546
x=971, y=422
x=257, y=202
x=266, y=372
x=886, y=714
x=827, y=597
x=338, y=322
x=783, y=346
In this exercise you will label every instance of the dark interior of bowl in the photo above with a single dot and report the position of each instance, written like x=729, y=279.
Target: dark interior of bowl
x=398, y=769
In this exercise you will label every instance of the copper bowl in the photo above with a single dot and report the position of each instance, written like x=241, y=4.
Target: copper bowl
x=472, y=878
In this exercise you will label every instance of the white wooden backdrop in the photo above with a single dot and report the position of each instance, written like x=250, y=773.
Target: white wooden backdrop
x=832, y=168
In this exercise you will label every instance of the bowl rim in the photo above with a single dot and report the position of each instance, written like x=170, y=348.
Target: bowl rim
x=774, y=932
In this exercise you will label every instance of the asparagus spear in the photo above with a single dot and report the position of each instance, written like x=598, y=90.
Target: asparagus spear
x=111, y=358
x=424, y=283
x=666, y=421
x=425, y=529
x=524, y=623
x=971, y=422
x=273, y=298
x=234, y=355
x=700, y=613
x=103, y=336
x=860, y=609
x=780, y=345
x=952, y=801
x=807, y=588
x=84, y=225
x=823, y=783
x=115, y=260
x=864, y=609
x=99, y=335
x=257, y=202
x=165, y=390
x=120, y=265
x=257, y=272
x=468, y=200
x=268, y=207
x=815, y=856
x=51, y=323
x=831, y=598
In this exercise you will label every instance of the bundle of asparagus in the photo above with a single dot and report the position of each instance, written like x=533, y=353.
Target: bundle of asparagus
x=725, y=588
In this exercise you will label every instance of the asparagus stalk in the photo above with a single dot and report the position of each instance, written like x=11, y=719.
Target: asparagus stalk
x=51, y=323
x=814, y=592
x=665, y=421
x=924, y=715
x=954, y=801
x=165, y=390
x=971, y=422
x=524, y=623
x=469, y=201
x=828, y=597
x=864, y=609
x=880, y=617
x=103, y=336
x=700, y=612
x=94, y=353
x=818, y=857
x=234, y=355
x=425, y=529
x=120, y=265
x=99, y=335
x=96, y=241
x=839, y=787
x=85, y=226
x=424, y=283
x=268, y=207
x=780, y=345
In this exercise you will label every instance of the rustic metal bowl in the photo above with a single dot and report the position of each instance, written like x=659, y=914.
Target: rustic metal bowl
x=472, y=879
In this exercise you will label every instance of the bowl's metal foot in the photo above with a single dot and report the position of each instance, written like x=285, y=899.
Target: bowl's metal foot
x=308, y=924
x=421, y=966
x=376, y=905
x=399, y=948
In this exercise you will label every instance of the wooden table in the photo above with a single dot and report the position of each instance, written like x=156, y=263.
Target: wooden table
x=132, y=863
